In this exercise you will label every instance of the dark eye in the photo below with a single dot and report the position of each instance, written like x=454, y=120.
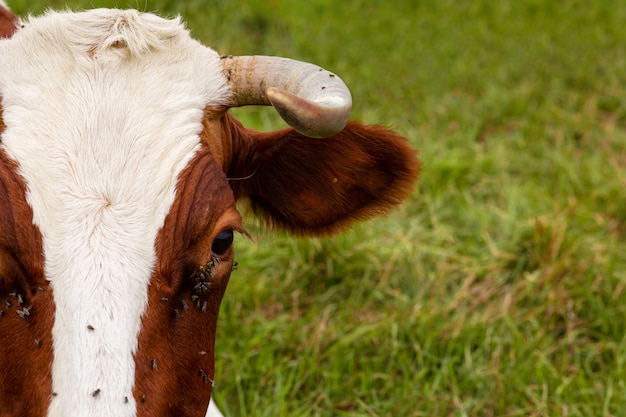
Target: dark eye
x=222, y=242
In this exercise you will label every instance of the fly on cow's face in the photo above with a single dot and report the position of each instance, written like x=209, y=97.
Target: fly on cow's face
x=24, y=312
x=201, y=288
x=201, y=277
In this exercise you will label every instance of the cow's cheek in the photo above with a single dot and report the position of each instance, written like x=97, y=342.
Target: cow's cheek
x=175, y=356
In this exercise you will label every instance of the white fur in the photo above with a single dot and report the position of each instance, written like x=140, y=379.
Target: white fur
x=102, y=110
x=213, y=411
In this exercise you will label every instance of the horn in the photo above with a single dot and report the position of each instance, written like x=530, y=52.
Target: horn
x=313, y=101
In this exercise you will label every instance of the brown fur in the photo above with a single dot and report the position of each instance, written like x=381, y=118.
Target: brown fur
x=8, y=23
x=26, y=340
x=320, y=186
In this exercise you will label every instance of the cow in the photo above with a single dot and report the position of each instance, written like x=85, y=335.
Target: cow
x=120, y=169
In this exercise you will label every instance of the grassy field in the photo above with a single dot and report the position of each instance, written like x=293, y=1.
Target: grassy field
x=499, y=289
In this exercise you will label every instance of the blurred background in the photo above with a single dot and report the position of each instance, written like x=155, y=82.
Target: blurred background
x=499, y=288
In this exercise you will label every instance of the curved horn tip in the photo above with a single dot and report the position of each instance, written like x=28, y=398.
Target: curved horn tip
x=321, y=119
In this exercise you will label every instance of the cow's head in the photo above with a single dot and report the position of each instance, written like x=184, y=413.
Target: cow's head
x=119, y=172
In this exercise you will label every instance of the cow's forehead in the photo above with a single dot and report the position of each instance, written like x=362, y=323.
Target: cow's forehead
x=102, y=112
x=73, y=56
x=111, y=94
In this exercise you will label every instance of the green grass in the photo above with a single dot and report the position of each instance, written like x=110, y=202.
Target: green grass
x=499, y=289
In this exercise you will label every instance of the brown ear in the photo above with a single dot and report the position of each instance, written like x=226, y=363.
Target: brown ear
x=8, y=22
x=319, y=186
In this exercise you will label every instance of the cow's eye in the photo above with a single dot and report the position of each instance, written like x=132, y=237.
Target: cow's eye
x=222, y=242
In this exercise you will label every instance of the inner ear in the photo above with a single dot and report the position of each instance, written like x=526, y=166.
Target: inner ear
x=319, y=186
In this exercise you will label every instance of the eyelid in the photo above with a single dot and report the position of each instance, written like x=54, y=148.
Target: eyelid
x=209, y=228
x=230, y=220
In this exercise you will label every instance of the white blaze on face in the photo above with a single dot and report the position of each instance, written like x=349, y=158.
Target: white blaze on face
x=102, y=110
